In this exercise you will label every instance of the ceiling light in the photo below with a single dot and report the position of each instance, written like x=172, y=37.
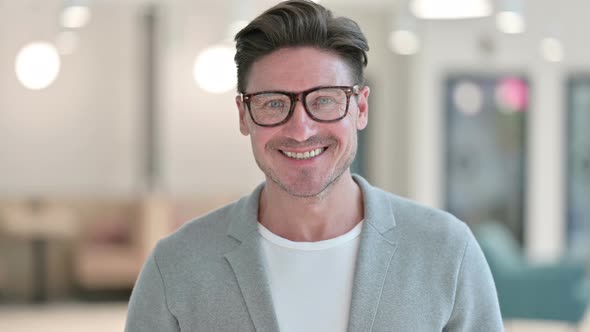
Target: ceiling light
x=511, y=95
x=468, y=97
x=214, y=69
x=75, y=17
x=37, y=65
x=510, y=22
x=450, y=9
x=404, y=42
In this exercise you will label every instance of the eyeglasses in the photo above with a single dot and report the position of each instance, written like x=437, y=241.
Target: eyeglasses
x=322, y=104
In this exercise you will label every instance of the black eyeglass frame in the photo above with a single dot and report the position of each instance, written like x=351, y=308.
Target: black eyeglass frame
x=295, y=96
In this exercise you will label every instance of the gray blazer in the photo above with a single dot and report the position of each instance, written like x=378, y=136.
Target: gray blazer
x=418, y=269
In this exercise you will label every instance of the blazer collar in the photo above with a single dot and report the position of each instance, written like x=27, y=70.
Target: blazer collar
x=377, y=210
x=373, y=260
x=248, y=263
x=374, y=257
x=245, y=215
x=377, y=206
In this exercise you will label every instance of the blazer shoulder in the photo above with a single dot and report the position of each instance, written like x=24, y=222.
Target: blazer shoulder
x=416, y=219
x=206, y=233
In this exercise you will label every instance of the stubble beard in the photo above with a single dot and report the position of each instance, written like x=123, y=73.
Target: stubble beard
x=307, y=175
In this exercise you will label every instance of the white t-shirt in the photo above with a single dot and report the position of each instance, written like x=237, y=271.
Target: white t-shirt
x=311, y=282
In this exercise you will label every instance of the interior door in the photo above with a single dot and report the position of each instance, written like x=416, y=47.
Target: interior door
x=485, y=148
x=578, y=165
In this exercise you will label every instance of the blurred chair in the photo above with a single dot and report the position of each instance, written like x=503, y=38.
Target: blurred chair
x=108, y=254
x=43, y=224
x=557, y=292
x=116, y=237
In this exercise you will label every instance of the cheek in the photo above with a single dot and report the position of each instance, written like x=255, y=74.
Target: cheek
x=347, y=133
x=260, y=138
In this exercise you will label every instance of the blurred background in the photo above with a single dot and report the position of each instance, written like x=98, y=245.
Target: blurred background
x=118, y=124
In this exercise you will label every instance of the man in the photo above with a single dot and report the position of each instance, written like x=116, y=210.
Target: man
x=313, y=248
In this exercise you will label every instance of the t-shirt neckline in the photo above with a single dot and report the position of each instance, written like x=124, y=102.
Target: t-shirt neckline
x=317, y=245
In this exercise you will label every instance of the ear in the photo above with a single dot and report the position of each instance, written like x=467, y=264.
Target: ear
x=242, y=111
x=363, y=108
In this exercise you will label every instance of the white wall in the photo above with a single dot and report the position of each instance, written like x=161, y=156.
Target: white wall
x=84, y=133
x=79, y=135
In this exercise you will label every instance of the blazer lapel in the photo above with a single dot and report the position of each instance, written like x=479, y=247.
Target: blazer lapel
x=248, y=264
x=374, y=258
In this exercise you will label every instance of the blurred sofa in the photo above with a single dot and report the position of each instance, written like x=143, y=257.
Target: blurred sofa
x=101, y=247
x=118, y=235
x=108, y=251
x=556, y=292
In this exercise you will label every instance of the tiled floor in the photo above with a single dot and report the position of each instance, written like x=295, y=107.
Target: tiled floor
x=75, y=317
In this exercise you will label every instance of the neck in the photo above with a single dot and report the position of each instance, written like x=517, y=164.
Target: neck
x=332, y=213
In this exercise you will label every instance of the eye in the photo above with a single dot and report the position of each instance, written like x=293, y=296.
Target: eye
x=322, y=101
x=276, y=103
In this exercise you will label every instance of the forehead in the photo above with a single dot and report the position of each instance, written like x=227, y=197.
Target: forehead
x=298, y=69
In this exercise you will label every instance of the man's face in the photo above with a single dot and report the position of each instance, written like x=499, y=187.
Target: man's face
x=296, y=70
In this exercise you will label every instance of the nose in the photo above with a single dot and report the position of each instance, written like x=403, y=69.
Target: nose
x=300, y=126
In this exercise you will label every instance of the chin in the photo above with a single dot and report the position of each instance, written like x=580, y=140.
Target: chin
x=304, y=192
x=305, y=183
x=306, y=186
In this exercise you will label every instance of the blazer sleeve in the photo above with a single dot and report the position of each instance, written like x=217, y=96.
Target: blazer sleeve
x=476, y=305
x=148, y=307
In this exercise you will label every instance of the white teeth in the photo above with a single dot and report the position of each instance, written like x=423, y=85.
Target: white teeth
x=303, y=155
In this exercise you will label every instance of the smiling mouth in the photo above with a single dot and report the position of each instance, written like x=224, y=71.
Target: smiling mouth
x=303, y=155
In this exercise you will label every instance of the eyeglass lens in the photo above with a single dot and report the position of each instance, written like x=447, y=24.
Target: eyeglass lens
x=324, y=104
